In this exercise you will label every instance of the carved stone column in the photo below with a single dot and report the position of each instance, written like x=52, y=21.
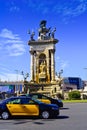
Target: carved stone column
x=52, y=65
x=32, y=65
x=37, y=69
x=35, y=65
x=48, y=66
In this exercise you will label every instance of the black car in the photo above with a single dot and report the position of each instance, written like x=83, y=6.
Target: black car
x=26, y=106
x=45, y=99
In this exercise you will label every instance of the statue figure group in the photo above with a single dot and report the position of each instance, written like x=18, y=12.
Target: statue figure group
x=43, y=67
x=31, y=35
x=45, y=33
x=43, y=28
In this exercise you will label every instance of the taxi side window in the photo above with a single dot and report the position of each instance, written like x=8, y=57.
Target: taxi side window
x=43, y=97
x=31, y=102
x=35, y=96
x=15, y=101
x=25, y=101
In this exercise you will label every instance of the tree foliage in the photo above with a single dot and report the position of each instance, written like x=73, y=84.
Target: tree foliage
x=74, y=95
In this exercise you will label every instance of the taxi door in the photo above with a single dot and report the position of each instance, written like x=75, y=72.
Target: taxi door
x=47, y=101
x=30, y=108
x=15, y=107
x=26, y=108
x=41, y=98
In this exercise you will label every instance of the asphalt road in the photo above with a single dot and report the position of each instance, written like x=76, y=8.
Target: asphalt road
x=72, y=117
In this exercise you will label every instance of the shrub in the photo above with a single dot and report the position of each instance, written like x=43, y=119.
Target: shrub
x=74, y=95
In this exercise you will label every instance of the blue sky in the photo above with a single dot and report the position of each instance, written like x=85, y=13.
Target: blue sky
x=18, y=16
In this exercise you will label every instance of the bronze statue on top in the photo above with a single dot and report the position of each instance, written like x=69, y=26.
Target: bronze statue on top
x=45, y=33
x=43, y=28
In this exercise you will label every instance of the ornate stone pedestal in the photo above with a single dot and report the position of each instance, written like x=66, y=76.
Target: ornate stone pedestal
x=42, y=53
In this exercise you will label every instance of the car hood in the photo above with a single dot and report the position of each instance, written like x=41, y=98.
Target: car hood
x=53, y=105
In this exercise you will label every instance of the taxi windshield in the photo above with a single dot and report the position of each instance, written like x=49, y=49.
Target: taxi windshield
x=37, y=101
x=4, y=101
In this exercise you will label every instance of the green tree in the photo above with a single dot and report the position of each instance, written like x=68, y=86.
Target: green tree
x=74, y=95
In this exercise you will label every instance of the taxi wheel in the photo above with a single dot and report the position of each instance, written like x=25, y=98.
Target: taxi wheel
x=45, y=115
x=5, y=115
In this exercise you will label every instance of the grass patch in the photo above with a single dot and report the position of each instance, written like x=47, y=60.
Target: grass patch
x=74, y=101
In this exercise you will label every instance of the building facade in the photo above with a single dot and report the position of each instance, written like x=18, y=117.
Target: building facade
x=72, y=83
x=11, y=88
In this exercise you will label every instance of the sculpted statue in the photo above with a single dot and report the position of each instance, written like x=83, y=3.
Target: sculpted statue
x=31, y=35
x=43, y=23
x=46, y=33
x=43, y=67
x=43, y=30
x=53, y=32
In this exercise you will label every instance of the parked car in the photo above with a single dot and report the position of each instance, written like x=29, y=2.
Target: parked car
x=26, y=106
x=45, y=99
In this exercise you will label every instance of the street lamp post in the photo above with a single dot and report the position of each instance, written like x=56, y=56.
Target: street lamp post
x=60, y=94
x=17, y=74
x=59, y=77
x=17, y=89
x=25, y=76
x=60, y=73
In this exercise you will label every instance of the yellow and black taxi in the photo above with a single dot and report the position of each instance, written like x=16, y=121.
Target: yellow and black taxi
x=46, y=99
x=26, y=106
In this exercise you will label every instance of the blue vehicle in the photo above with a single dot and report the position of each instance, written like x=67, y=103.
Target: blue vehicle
x=45, y=99
x=26, y=106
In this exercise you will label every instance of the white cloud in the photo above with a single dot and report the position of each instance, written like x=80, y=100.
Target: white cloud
x=11, y=43
x=66, y=9
x=13, y=6
x=74, y=10
x=16, y=49
x=5, y=33
x=4, y=69
x=8, y=74
x=64, y=64
x=61, y=63
x=14, y=9
x=11, y=77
